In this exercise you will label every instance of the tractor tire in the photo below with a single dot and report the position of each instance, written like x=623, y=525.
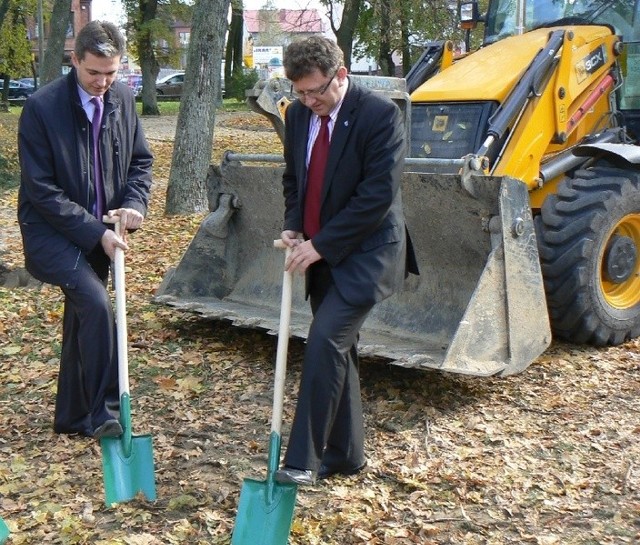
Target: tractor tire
x=589, y=244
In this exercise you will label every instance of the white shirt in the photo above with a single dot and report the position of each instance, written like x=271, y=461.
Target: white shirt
x=314, y=127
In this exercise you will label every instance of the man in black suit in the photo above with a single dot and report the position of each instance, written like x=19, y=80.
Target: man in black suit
x=345, y=225
x=82, y=155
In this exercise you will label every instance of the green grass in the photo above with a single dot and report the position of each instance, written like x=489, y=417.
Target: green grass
x=172, y=107
x=233, y=105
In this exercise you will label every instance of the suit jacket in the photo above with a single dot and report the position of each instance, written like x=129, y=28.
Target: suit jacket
x=362, y=234
x=57, y=191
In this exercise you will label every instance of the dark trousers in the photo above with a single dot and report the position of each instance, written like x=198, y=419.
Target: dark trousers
x=88, y=365
x=328, y=426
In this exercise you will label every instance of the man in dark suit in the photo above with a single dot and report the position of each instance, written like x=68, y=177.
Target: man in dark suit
x=83, y=154
x=345, y=225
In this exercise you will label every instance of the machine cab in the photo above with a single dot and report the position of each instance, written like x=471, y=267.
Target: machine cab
x=506, y=18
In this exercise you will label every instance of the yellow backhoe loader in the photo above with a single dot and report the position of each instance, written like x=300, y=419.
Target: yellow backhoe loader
x=521, y=190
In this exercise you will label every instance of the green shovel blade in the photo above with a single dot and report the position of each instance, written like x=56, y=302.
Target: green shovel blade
x=265, y=513
x=4, y=532
x=127, y=462
x=265, y=509
x=126, y=475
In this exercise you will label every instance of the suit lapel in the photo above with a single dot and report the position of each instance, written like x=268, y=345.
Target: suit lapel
x=302, y=128
x=340, y=135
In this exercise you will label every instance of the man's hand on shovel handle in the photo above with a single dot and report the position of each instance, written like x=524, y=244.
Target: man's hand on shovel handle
x=129, y=219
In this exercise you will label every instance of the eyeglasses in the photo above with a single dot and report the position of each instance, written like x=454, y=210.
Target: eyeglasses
x=313, y=93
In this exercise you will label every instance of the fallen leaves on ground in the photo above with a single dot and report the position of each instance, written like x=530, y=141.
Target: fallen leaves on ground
x=549, y=456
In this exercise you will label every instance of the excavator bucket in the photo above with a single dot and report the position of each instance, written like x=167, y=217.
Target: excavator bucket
x=478, y=306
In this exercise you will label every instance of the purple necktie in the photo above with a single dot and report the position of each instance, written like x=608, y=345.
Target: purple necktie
x=98, y=209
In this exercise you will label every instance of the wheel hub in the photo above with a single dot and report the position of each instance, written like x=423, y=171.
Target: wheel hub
x=620, y=259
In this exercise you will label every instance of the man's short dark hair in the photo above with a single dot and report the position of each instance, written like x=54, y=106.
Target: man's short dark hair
x=303, y=57
x=100, y=38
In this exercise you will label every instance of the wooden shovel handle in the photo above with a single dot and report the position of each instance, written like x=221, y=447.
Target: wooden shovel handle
x=283, y=344
x=279, y=243
x=121, y=311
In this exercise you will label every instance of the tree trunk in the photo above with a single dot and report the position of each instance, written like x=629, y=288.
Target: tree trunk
x=4, y=96
x=385, y=59
x=234, y=49
x=344, y=34
x=4, y=8
x=187, y=191
x=233, y=54
x=148, y=63
x=51, y=64
x=405, y=35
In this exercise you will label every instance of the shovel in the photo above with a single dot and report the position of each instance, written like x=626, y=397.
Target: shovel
x=265, y=510
x=4, y=531
x=127, y=461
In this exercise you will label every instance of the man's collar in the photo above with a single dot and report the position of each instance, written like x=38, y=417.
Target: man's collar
x=84, y=96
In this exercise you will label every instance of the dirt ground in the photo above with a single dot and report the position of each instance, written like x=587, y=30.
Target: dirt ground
x=550, y=456
x=163, y=127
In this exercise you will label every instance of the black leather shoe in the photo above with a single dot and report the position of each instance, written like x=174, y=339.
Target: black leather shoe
x=73, y=431
x=329, y=471
x=296, y=476
x=111, y=428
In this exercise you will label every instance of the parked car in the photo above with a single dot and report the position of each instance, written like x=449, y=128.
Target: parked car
x=27, y=81
x=134, y=81
x=17, y=89
x=170, y=85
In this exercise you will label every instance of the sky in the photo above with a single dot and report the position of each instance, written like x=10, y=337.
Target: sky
x=107, y=10
x=111, y=10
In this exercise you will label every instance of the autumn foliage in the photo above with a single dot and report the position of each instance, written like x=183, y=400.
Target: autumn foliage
x=550, y=456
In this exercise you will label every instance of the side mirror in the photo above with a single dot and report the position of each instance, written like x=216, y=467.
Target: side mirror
x=468, y=13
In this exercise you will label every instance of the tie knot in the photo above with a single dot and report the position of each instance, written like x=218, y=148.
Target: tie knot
x=97, y=102
x=324, y=120
x=97, y=113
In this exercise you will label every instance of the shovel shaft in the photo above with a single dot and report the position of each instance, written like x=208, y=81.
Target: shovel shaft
x=121, y=319
x=283, y=345
x=266, y=508
x=121, y=310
